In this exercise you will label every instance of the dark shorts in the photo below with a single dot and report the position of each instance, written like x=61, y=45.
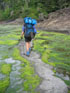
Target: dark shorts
x=28, y=39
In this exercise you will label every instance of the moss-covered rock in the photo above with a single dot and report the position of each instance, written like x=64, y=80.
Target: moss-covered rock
x=69, y=91
x=54, y=49
x=6, y=69
x=4, y=84
x=8, y=42
x=31, y=80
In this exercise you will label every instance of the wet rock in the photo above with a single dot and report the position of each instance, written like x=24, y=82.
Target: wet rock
x=9, y=61
x=16, y=82
x=2, y=76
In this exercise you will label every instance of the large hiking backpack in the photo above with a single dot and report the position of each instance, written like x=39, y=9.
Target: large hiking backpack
x=30, y=21
x=29, y=27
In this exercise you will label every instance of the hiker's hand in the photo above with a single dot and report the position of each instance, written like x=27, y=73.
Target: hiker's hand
x=21, y=37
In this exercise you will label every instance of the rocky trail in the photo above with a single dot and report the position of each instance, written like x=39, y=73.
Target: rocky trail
x=49, y=83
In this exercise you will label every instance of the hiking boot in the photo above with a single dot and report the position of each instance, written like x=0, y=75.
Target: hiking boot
x=29, y=49
x=27, y=53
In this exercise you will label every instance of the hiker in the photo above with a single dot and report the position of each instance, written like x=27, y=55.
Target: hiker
x=29, y=32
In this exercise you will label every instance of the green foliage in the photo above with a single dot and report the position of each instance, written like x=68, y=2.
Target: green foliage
x=4, y=84
x=31, y=12
x=10, y=9
x=1, y=15
x=4, y=14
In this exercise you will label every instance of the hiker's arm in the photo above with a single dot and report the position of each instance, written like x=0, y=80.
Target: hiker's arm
x=22, y=32
x=35, y=31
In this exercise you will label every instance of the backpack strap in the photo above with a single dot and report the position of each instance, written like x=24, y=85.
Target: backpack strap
x=24, y=28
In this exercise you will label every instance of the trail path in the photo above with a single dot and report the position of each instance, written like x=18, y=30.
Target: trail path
x=50, y=83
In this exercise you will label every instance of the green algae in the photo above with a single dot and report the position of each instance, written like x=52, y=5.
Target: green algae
x=54, y=49
x=4, y=84
x=16, y=56
x=9, y=36
x=5, y=52
x=69, y=91
x=31, y=80
x=12, y=37
x=45, y=57
x=5, y=57
x=67, y=82
x=1, y=65
x=56, y=43
x=8, y=42
x=10, y=27
x=6, y=69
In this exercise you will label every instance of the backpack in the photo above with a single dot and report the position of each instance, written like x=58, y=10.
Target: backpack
x=28, y=27
x=30, y=21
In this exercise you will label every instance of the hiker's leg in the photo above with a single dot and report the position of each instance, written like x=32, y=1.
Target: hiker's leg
x=27, y=46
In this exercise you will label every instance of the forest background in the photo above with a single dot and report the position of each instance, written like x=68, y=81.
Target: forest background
x=12, y=9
